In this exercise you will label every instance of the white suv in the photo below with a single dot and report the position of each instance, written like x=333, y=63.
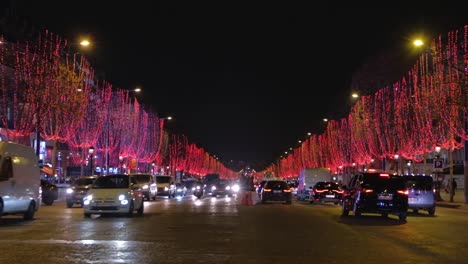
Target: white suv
x=114, y=194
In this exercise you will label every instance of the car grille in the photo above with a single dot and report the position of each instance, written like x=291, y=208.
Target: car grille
x=104, y=200
x=105, y=208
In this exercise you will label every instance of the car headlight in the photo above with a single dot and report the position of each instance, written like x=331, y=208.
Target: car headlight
x=121, y=197
x=69, y=190
x=213, y=187
x=166, y=189
x=228, y=188
x=198, y=187
x=235, y=187
x=89, y=197
x=145, y=186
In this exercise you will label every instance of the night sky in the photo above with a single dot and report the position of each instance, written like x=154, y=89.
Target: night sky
x=245, y=80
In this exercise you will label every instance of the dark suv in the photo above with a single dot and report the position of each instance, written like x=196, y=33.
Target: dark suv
x=378, y=193
x=327, y=192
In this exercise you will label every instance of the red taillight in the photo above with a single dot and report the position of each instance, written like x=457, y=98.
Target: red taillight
x=287, y=190
x=319, y=191
x=368, y=190
x=384, y=175
x=266, y=190
x=338, y=191
x=404, y=192
x=434, y=190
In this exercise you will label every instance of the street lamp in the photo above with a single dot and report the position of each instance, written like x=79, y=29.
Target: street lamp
x=91, y=158
x=121, y=163
x=464, y=73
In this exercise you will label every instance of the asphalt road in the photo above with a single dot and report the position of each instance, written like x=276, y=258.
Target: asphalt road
x=218, y=230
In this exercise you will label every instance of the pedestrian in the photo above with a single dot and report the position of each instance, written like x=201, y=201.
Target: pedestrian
x=453, y=186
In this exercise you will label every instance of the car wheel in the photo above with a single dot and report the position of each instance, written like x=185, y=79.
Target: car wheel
x=141, y=209
x=48, y=201
x=29, y=214
x=402, y=216
x=69, y=204
x=344, y=210
x=130, y=210
x=431, y=211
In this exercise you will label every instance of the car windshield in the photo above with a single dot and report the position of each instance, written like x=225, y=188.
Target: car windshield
x=80, y=182
x=160, y=179
x=324, y=185
x=142, y=177
x=112, y=182
x=276, y=185
x=375, y=180
x=418, y=182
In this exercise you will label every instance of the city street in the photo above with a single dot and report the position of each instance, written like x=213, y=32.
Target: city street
x=218, y=230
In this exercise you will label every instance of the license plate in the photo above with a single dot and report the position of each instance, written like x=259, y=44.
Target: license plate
x=329, y=196
x=385, y=197
x=277, y=191
x=412, y=199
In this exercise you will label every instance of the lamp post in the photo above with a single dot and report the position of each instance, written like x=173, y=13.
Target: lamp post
x=437, y=180
x=463, y=70
x=91, y=159
x=120, y=164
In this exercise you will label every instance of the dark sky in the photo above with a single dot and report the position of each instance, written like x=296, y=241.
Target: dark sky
x=244, y=80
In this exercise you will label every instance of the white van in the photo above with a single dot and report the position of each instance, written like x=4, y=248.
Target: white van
x=19, y=180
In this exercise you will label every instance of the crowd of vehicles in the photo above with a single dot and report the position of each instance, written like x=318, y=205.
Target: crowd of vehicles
x=22, y=191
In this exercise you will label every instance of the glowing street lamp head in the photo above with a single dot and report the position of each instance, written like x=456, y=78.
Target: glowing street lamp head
x=85, y=43
x=169, y=118
x=418, y=43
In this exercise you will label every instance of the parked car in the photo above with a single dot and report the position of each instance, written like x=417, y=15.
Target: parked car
x=49, y=192
x=376, y=192
x=276, y=190
x=421, y=193
x=327, y=192
x=146, y=182
x=78, y=190
x=114, y=194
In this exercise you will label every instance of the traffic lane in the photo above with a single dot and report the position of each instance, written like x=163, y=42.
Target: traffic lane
x=170, y=231
x=304, y=232
x=217, y=230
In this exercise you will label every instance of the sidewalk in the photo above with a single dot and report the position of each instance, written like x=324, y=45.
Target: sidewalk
x=458, y=200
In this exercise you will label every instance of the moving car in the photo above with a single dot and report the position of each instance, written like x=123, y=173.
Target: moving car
x=165, y=185
x=114, y=194
x=222, y=187
x=49, y=192
x=376, y=192
x=421, y=193
x=78, y=190
x=146, y=182
x=327, y=192
x=276, y=190
x=20, y=188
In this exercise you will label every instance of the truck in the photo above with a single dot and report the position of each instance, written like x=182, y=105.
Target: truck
x=20, y=180
x=308, y=177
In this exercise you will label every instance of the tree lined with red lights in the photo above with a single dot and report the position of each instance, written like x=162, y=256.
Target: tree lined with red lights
x=425, y=109
x=44, y=89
